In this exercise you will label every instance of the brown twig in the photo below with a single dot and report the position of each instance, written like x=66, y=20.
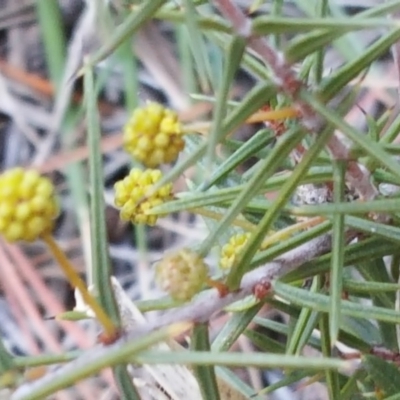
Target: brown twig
x=288, y=83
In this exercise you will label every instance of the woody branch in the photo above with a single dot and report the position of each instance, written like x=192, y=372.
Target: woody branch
x=287, y=81
x=200, y=309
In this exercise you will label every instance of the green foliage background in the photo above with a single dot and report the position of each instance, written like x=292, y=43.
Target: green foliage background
x=345, y=296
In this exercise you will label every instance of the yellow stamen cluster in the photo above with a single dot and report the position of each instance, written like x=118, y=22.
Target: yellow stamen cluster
x=153, y=135
x=135, y=195
x=231, y=250
x=28, y=205
x=181, y=274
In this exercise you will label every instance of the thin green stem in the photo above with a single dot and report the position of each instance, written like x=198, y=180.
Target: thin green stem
x=76, y=282
x=101, y=264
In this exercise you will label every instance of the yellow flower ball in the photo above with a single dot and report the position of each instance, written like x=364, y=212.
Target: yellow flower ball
x=135, y=195
x=231, y=250
x=181, y=274
x=153, y=135
x=28, y=205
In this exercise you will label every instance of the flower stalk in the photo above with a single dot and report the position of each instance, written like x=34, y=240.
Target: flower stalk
x=109, y=328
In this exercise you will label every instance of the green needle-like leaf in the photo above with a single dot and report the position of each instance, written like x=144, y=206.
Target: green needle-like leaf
x=368, y=249
x=246, y=150
x=100, y=256
x=51, y=26
x=220, y=197
x=338, y=244
x=6, y=360
x=242, y=265
x=351, y=70
x=393, y=397
x=231, y=331
x=265, y=25
x=90, y=366
x=386, y=376
x=205, y=373
x=292, y=378
x=267, y=168
x=373, y=149
x=365, y=287
x=125, y=383
x=234, y=55
x=318, y=302
x=375, y=271
x=265, y=343
x=304, y=326
x=198, y=45
x=237, y=360
x=356, y=207
x=235, y=382
x=101, y=261
x=132, y=23
x=301, y=46
x=332, y=378
x=209, y=22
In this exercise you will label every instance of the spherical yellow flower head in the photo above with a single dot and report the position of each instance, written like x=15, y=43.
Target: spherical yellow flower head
x=28, y=205
x=181, y=274
x=153, y=135
x=231, y=250
x=135, y=195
